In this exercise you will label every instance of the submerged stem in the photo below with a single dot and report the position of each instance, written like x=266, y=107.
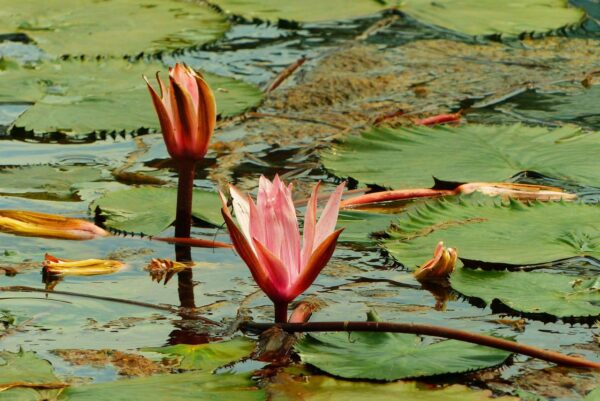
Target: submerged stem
x=430, y=330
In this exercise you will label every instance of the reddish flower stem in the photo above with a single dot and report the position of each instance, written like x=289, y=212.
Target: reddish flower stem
x=437, y=331
x=185, y=190
x=281, y=312
x=395, y=195
x=439, y=119
x=194, y=242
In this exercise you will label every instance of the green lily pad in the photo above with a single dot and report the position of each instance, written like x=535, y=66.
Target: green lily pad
x=489, y=17
x=100, y=27
x=150, y=210
x=408, y=157
x=79, y=97
x=305, y=11
x=572, y=107
x=594, y=395
x=208, y=356
x=531, y=292
x=485, y=229
x=177, y=387
x=323, y=388
x=46, y=182
x=25, y=367
x=359, y=226
x=393, y=356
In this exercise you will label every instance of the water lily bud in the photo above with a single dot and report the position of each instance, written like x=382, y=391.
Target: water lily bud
x=187, y=113
x=440, y=267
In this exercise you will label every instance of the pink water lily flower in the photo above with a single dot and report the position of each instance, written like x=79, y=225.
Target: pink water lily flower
x=268, y=239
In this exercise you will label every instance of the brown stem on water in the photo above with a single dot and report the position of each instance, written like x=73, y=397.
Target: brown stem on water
x=281, y=312
x=283, y=75
x=429, y=330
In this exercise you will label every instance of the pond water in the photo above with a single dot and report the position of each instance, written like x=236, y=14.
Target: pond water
x=358, y=279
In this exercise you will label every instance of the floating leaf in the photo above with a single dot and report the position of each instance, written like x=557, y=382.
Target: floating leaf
x=208, y=356
x=490, y=17
x=323, y=388
x=198, y=386
x=46, y=182
x=150, y=210
x=490, y=230
x=573, y=107
x=306, y=11
x=393, y=356
x=594, y=395
x=23, y=377
x=359, y=226
x=408, y=157
x=531, y=292
x=78, y=97
x=99, y=27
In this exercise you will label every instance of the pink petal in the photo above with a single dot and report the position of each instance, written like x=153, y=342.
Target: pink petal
x=242, y=211
x=286, y=215
x=164, y=120
x=310, y=221
x=257, y=223
x=259, y=273
x=206, y=110
x=329, y=216
x=278, y=272
x=316, y=263
x=186, y=77
x=186, y=120
x=279, y=230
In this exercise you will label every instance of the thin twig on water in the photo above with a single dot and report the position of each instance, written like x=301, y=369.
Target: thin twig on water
x=167, y=308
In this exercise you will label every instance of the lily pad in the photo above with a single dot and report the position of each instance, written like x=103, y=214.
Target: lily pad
x=208, y=356
x=359, y=226
x=594, y=395
x=323, y=388
x=46, y=182
x=408, y=157
x=25, y=367
x=176, y=387
x=571, y=107
x=78, y=97
x=393, y=356
x=531, y=292
x=99, y=27
x=305, y=11
x=490, y=230
x=489, y=17
x=150, y=210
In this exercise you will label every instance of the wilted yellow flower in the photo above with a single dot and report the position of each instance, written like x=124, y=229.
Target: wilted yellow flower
x=35, y=224
x=442, y=264
x=85, y=267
